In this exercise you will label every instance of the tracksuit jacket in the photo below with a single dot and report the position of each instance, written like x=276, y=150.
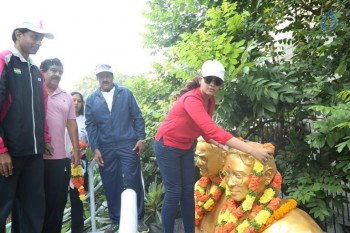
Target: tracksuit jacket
x=23, y=102
x=123, y=125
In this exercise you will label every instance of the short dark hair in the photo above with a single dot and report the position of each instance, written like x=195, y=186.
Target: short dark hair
x=45, y=65
x=22, y=30
x=81, y=111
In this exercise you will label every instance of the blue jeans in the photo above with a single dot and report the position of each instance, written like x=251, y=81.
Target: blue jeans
x=178, y=172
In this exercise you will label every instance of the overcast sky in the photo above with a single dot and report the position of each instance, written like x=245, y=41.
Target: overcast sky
x=87, y=32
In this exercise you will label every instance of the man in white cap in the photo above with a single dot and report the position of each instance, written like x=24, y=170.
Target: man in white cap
x=24, y=135
x=116, y=132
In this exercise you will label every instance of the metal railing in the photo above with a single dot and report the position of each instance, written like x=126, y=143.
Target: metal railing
x=90, y=195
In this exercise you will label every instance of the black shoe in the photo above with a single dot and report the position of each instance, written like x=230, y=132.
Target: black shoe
x=112, y=229
x=142, y=227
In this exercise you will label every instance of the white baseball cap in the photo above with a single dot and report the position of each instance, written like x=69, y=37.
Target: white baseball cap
x=103, y=68
x=213, y=68
x=36, y=26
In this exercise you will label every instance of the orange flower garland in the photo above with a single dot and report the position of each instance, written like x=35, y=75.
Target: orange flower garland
x=82, y=146
x=257, y=214
x=77, y=178
x=279, y=213
x=204, y=203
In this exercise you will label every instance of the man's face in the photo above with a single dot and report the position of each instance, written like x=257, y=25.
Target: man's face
x=28, y=42
x=105, y=80
x=53, y=76
x=237, y=177
x=209, y=160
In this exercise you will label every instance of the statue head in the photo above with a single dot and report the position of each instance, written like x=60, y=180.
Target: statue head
x=210, y=160
x=239, y=172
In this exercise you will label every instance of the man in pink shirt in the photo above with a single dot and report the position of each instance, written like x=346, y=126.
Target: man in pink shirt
x=60, y=115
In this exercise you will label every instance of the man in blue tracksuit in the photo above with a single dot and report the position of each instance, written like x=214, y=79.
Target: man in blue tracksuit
x=116, y=133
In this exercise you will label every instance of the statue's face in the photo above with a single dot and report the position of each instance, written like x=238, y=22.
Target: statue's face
x=237, y=177
x=209, y=160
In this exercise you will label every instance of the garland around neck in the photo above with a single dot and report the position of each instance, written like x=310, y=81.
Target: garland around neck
x=257, y=212
x=204, y=202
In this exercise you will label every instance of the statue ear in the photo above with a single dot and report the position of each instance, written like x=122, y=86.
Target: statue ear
x=268, y=175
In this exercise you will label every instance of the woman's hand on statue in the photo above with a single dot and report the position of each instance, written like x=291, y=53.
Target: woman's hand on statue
x=262, y=154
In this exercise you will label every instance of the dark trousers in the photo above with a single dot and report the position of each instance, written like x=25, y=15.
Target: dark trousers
x=118, y=162
x=178, y=171
x=56, y=179
x=77, y=211
x=77, y=207
x=26, y=185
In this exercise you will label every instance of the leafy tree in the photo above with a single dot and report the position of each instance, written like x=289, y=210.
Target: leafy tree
x=170, y=18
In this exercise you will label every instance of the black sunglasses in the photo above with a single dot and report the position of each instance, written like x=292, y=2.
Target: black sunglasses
x=217, y=81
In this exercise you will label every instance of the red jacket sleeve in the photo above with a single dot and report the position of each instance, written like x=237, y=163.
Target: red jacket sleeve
x=46, y=96
x=210, y=130
x=3, y=92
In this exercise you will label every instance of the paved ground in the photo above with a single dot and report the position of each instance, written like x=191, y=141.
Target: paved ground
x=156, y=228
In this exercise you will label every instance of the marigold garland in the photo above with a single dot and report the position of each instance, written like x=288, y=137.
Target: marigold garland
x=82, y=146
x=204, y=203
x=258, y=214
x=77, y=178
x=279, y=213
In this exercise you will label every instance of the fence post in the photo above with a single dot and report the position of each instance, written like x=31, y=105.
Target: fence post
x=92, y=195
x=128, y=212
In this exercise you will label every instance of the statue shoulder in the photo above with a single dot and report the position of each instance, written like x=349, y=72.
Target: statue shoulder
x=296, y=220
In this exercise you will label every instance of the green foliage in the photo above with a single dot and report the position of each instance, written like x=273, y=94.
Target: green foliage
x=86, y=85
x=215, y=40
x=154, y=201
x=171, y=18
x=332, y=128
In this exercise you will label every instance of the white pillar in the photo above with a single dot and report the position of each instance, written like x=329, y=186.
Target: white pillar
x=128, y=212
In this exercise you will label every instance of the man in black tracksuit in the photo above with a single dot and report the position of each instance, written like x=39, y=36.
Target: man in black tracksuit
x=23, y=131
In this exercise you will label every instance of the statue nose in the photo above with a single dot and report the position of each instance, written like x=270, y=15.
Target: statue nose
x=200, y=162
x=232, y=181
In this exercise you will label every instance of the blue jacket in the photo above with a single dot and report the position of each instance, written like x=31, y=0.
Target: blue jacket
x=123, y=125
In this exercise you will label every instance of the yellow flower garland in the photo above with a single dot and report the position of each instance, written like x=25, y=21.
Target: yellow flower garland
x=279, y=213
x=204, y=203
x=258, y=214
x=77, y=178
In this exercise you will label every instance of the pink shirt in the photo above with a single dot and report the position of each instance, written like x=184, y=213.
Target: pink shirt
x=188, y=119
x=60, y=108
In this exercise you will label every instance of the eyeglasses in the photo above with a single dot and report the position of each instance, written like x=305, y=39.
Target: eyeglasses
x=235, y=176
x=217, y=81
